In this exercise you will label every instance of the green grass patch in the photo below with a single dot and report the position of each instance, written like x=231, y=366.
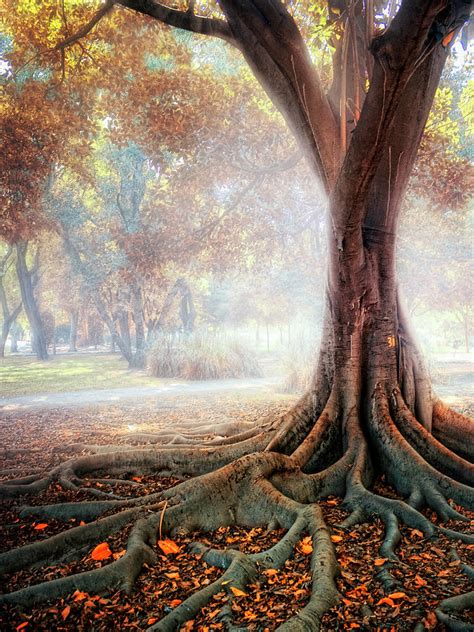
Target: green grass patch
x=23, y=375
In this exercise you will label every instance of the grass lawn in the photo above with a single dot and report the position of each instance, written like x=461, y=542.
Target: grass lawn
x=24, y=375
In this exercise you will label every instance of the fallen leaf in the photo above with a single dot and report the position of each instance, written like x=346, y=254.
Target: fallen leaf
x=65, y=612
x=398, y=595
x=380, y=561
x=386, y=600
x=175, y=602
x=168, y=547
x=101, y=552
x=22, y=626
x=336, y=538
x=419, y=581
x=152, y=620
x=430, y=621
x=41, y=526
x=119, y=554
x=415, y=532
x=237, y=592
x=79, y=596
x=306, y=548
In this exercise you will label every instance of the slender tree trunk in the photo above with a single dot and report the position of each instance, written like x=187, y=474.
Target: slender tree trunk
x=16, y=333
x=29, y=303
x=73, y=322
x=140, y=342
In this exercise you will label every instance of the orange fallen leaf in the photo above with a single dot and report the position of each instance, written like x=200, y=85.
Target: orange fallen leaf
x=168, y=547
x=417, y=533
x=430, y=621
x=398, y=595
x=41, y=526
x=22, y=626
x=336, y=538
x=306, y=546
x=175, y=602
x=79, y=596
x=152, y=620
x=172, y=575
x=119, y=554
x=269, y=572
x=101, y=552
x=65, y=612
x=380, y=561
x=419, y=581
x=386, y=600
x=237, y=592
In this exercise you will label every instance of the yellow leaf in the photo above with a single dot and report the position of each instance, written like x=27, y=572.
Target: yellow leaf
x=237, y=592
x=101, y=552
x=168, y=547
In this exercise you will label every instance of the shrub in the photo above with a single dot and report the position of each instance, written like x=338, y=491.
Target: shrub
x=201, y=356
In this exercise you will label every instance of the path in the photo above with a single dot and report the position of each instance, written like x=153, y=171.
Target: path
x=114, y=395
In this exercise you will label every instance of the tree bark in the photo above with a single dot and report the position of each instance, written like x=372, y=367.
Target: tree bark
x=29, y=302
x=73, y=323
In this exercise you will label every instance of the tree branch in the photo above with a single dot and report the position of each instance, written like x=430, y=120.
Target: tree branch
x=186, y=20
x=72, y=39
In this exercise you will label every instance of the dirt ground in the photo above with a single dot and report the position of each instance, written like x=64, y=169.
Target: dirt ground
x=426, y=571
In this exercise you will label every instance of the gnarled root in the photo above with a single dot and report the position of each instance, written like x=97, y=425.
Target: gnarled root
x=273, y=477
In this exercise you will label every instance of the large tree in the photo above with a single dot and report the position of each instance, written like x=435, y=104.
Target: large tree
x=370, y=409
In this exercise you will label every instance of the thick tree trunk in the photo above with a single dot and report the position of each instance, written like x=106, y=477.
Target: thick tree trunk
x=369, y=410
x=29, y=303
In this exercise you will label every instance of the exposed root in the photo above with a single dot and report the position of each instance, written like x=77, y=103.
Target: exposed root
x=453, y=606
x=252, y=477
x=453, y=430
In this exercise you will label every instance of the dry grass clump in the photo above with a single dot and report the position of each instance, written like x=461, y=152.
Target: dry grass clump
x=298, y=364
x=201, y=356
